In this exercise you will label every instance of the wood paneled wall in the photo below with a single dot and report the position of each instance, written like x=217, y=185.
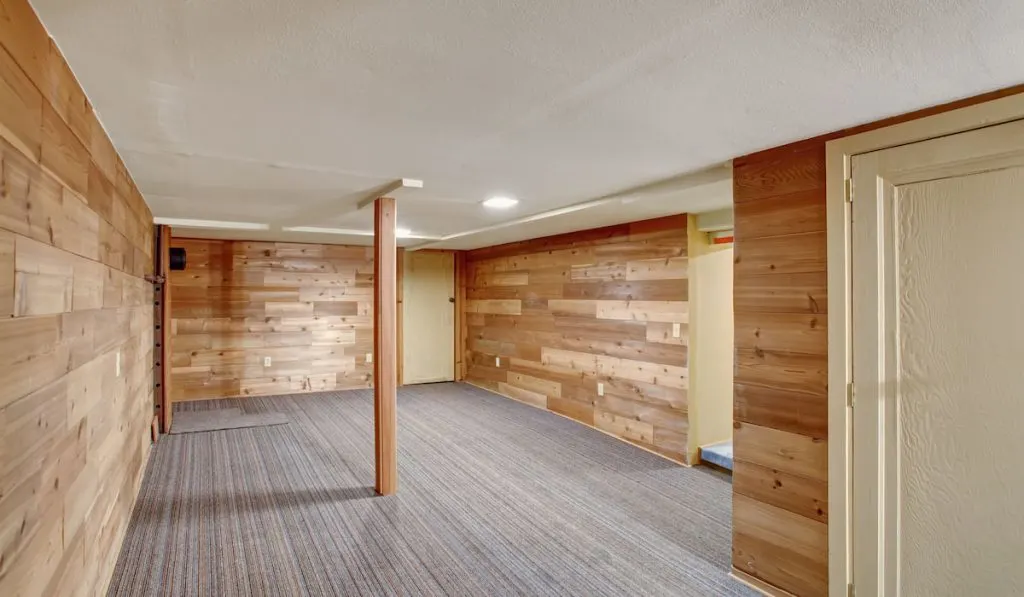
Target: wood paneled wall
x=307, y=307
x=568, y=312
x=780, y=479
x=76, y=326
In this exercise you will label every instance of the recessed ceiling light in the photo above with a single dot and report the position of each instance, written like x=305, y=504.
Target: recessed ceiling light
x=402, y=232
x=500, y=202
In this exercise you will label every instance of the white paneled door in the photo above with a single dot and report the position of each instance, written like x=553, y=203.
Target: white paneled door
x=938, y=366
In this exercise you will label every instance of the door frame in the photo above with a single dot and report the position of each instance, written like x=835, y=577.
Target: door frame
x=838, y=160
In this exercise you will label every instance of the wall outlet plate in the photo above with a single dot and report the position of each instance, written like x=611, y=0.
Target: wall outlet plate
x=675, y=330
x=369, y=357
x=600, y=389
x=266, y=361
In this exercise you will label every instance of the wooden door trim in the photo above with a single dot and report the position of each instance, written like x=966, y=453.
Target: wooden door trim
x=400, y=314
x=838, y=171
x=460, y=316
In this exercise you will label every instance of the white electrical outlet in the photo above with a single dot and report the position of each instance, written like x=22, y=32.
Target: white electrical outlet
x=118, y=367
x=675, y=330
x=266, y=361
x=497, y=361
x=600, y=389
x=369, y=357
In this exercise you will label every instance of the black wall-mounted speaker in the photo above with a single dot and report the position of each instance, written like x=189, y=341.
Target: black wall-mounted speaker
x=177, y=258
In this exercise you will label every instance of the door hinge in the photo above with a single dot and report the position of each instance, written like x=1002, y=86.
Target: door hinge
x=849, y=190
x=849, y=394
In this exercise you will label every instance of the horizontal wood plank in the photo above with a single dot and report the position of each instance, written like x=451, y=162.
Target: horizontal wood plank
x=566, y=314
x=783, y=332
x=523, y=395
x=792, y=254
x=784, y=549
x=785, y=371
x=781, y=293
x=800, y=495
x=782, y=173
x=788, y=452
x=497, y=307
x=783, y=215
x=786, y=410
x=303, y=307
x=76, y=327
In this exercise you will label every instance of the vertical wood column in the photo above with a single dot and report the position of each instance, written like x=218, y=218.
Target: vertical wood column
x=164, y=336
x=385, y=353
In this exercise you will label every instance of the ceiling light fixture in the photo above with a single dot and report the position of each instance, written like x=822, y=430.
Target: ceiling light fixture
x=500, y=202
x=224, y=225
x=403, y=232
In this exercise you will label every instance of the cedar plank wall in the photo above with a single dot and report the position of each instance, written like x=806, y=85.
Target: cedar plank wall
x=309, y=307
x=780, y=477
x=566, y=312
x=76, y=239
x=780, y=480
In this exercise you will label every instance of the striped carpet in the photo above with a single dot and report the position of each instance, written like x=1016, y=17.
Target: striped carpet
x=495, y=498
x=198, y=421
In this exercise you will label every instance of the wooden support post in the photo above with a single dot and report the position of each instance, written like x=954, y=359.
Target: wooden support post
x=385, y=354
x=166, y=404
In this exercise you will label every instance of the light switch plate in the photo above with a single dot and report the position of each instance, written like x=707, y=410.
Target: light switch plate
x=675, y=330
x=497, y=361
x=600, y=389
x=369, y=357
x=266, y=361
x=118, y=367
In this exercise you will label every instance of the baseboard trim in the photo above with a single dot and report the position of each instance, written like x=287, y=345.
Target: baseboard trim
x=759, y=585
x=625, y=441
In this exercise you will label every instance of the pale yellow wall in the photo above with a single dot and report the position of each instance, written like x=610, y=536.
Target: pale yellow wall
x=711, y=341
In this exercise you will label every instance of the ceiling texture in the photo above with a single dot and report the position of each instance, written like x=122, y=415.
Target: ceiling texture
x=287, y=111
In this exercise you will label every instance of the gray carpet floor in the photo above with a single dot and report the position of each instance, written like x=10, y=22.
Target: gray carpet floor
x=495, y=498
x=198, y=421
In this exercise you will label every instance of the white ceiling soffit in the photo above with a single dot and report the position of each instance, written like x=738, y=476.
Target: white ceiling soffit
x=267, y=111
x=698, y=192
x=286, y=236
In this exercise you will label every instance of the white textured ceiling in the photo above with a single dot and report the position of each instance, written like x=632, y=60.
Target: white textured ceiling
x=261, y=110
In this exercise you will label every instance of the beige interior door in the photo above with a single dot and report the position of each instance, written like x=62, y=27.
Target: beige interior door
x=428, y=317
x=938, y=318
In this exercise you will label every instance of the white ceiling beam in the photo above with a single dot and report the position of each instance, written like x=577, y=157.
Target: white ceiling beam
x=338, y=207
x=378, y=192
x=213, y=224
x=347, y=205
x=405, y=183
